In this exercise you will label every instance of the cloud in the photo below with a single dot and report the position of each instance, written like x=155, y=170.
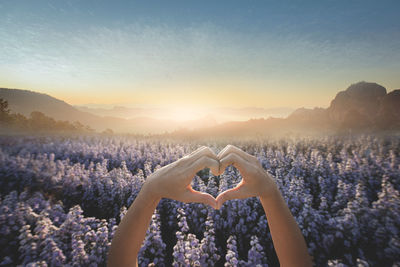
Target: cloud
x=142, y=56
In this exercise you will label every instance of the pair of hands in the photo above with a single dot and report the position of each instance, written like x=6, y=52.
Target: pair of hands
x=173, y=181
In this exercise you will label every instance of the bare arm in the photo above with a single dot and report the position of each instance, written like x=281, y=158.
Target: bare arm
x=171, y=181
x=288, y=240
x=131, y=231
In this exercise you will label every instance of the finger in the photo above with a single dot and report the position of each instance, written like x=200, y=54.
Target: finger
x=204, y=151
x=200, y=197
x=197, y=150
x=233, y=193
x=203, y=162
x=234, y=149
x=222, y=151
x=186, y=158
x=235, y=160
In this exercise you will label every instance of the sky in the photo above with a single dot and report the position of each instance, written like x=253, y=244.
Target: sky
x=198, y=53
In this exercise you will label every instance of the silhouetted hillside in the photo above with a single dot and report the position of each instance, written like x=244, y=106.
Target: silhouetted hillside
x=364, y=98
x=221, y=114
x=316, y=118
x=362, y=106
x=25, y=102
x=389, y=111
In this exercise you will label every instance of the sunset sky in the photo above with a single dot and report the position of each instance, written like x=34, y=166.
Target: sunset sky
x=198, y=53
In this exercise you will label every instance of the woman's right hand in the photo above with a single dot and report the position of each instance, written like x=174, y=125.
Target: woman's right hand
x=256, y=182
x=288, y=240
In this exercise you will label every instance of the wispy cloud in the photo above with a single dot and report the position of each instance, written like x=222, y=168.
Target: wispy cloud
x=142, y=57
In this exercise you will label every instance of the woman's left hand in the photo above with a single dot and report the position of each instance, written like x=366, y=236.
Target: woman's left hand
x=173, y=181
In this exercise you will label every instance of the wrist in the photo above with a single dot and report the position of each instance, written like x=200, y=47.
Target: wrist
x=149, y=191
x=270, y=190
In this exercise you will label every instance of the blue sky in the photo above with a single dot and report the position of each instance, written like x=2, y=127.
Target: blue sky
x=198, y=53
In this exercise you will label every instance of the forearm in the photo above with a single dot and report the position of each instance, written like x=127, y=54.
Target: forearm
x=288, y=240
x=131, y=231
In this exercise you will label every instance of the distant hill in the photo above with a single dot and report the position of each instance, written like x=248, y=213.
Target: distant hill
x=363, y=98
x=365, y=105
x=362, y=106
x=221, y=114
x=24, y=102
x=389, y=111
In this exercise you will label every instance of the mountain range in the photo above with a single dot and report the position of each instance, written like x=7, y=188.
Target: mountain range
x=362, y=106
x=24, y=102
x=220, y=114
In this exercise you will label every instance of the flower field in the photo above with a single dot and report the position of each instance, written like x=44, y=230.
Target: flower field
x=61, y=199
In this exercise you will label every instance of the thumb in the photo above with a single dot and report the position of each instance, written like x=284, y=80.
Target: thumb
x=200, y=197
x=233, y=193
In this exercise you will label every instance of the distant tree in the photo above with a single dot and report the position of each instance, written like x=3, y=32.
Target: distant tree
x=4, y=111
x=89, y=129
x=78, y=126
x=108, y=131
x=40, y=121
x=64, y=126
x=37, y=121
x=19, y=121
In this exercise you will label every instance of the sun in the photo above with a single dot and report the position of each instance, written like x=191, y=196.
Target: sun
x=187, y=113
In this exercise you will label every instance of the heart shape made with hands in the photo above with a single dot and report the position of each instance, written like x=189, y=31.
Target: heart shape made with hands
x=255, y=180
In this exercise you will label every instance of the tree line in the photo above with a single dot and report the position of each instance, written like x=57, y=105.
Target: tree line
x=37, y=121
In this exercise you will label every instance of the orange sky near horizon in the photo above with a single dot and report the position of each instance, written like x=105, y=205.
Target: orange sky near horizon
x=230, y=96
x=215, y=95
x=258, y=54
